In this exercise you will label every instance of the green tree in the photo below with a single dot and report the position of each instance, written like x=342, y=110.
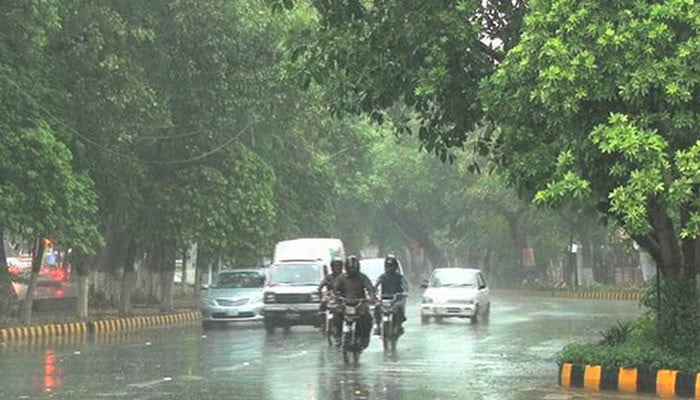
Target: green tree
x=612, y=88
x=41, y=191
x=427, y=55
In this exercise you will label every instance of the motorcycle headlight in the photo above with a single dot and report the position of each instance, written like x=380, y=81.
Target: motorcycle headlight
x=427, y=300
x=269, y=298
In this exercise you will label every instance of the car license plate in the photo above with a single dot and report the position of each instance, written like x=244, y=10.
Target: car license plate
x=293, y=315
x=386, y=318
x=232, y=313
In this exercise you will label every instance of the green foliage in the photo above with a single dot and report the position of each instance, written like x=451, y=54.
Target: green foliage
x=370, y=59
x=562, y=80
x=617, y=334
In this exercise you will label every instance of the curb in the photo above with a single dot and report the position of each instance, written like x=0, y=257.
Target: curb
x=662, y=382
x=95, y=327
x=132, y=323
x=570, y=294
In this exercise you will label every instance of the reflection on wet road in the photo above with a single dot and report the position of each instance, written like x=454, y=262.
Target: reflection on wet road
x=509, y=357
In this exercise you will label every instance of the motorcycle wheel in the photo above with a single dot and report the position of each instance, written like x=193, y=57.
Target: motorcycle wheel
x=387, y=333
x=346, y=344
x=356, y=356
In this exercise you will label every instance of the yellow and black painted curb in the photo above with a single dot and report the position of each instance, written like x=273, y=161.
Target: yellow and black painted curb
x=576, y=294
x=662, y=382
x=132, y=323
x=32, y=332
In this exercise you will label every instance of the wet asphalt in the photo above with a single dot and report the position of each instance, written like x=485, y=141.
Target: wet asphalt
x=512, y=356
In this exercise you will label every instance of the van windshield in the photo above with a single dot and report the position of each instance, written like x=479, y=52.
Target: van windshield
x=296, y=274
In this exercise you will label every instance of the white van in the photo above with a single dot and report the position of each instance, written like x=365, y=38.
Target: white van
x=322, y=250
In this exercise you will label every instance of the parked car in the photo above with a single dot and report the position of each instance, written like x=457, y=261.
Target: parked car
x=234, y=295
x=292, y=296
x=455, y=292
x=374, y=267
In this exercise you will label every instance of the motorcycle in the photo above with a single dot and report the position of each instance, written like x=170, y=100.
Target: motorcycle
x=352, y=343
x=391, y=327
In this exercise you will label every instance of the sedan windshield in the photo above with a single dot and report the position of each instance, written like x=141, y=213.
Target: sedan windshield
x=453, y=277
x=239, y=280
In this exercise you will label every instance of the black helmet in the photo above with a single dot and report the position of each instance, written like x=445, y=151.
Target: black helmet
x=352, y=265
x=391, y=263
x=336, y=266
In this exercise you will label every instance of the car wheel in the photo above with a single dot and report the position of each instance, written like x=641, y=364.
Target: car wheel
x=269, y=326
x=487, y=312
x=475, y=317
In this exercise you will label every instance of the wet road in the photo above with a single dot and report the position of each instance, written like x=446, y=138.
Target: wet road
x=509, y=357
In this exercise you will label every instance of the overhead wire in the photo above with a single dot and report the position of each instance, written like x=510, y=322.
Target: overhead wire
x=50, y=117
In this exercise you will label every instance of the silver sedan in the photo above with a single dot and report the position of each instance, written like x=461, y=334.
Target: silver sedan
x=235, y=295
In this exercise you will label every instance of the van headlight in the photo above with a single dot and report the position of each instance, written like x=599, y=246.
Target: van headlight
x=315, y=297
x=269, y=298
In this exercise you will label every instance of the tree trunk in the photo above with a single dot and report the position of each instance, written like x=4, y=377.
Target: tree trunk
x=678, y=322
x=183, y=276
x=81, y=304
x=37, y=259
x=167, y=275
x=8, y=297
x=128, y=280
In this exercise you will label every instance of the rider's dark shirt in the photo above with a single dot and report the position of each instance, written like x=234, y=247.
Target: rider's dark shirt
x=391, y=284
x=357, y=286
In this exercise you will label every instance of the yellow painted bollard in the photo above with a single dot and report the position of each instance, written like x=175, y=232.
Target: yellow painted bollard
x=566, y=375
x=591, y=377
x=666, y=382
x=627, y=380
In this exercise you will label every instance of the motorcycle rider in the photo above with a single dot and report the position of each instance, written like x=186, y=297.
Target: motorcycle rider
x=356, y=285
x=390, y=283
x=327, y=285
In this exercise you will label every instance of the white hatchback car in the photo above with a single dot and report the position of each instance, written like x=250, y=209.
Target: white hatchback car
x=455, y=292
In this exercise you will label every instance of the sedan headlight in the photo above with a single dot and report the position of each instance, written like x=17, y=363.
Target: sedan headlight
x=269, y=298
x=257, y=299
x=427, y=300
x=207, y=301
